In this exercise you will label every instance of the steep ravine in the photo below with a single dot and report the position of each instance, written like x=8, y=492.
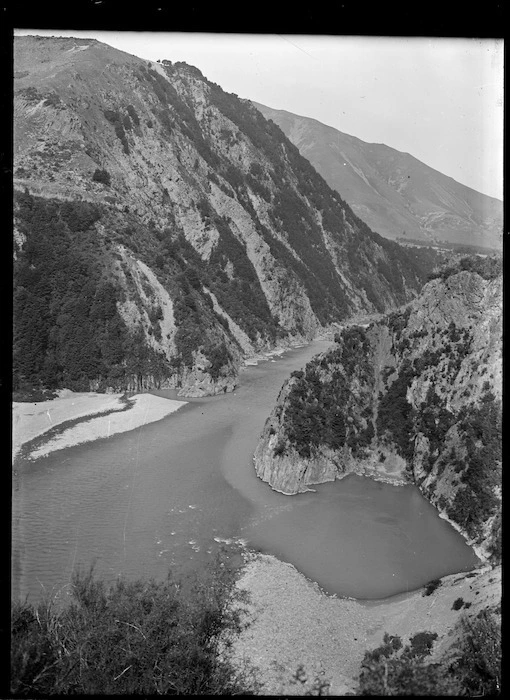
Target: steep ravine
x=415, y=397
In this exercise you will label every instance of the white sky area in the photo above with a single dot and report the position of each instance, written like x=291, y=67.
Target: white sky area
x=439, y=99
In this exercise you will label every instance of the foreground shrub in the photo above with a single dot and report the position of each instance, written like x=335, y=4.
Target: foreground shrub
x=133, y=638
x=473, y=667
x=478, y=664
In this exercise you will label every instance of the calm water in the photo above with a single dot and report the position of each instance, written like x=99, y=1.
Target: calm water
x=167, y=494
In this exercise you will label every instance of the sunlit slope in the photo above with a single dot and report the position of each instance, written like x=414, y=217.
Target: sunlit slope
x=393, y=192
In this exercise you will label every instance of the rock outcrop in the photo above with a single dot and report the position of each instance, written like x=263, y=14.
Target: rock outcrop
x=415, y=396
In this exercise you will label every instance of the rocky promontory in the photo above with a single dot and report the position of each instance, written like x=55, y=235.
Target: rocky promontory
x=414, y=397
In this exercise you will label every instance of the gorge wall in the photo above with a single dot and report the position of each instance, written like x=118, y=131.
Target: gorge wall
x=414, y=397
x=164, y=229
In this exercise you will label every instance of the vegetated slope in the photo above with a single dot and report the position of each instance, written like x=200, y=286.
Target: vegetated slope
x=413, y=397
x=393, y=192
x=181, y=204
x=134, y=638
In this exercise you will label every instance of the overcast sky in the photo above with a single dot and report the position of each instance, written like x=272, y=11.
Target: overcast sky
x=441, y=100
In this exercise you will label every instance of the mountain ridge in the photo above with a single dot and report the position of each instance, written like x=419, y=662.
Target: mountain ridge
x=373, y=178
x=154, y=165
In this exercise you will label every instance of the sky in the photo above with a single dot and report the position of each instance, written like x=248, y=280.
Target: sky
x=439, y=99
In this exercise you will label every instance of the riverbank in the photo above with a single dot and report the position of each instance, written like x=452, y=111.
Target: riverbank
x=292, y=623
x=278, y=351
x=73, y=418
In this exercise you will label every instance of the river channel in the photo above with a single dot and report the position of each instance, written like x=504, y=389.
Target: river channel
x=166, y=495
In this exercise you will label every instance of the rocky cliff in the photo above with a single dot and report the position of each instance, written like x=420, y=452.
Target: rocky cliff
x=211, y=233
x=394, y=193
x=413, y=397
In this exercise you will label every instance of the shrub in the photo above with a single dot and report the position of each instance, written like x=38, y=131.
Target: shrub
x=458, y=603
x=219, y=357
x=393, y=669
x=114, y=118
x=256, y=169
x=79, y=216
x=421, y=643
x=53, y=100
x=102, y=176
x=133, y=114
x=279, y=448
x=431, y=586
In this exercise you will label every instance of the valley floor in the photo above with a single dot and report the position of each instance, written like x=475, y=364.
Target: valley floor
x=103, y=415
x=293, y=622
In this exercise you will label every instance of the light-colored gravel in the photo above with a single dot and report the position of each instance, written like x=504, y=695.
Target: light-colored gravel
x=31, y=420
x=293, y=622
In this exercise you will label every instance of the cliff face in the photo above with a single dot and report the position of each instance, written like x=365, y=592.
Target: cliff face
x=415, y=396
x=394, y=193
x=217, y=238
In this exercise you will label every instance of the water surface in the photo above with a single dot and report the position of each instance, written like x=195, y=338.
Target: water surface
x=167, y=494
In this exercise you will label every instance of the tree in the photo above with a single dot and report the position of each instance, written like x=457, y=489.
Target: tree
x=102, y=175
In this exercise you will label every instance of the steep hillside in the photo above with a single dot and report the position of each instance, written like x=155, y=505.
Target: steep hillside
x=193, y=231
x=395, y=194
x=413, y=397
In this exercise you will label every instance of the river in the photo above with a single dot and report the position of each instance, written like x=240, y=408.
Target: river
x=166, y=495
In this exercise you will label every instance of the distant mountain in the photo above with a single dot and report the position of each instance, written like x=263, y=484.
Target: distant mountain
x=393, y=192
x=164, y=229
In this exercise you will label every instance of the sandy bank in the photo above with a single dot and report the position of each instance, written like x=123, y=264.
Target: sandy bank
x=31, y=420
x=293, y=623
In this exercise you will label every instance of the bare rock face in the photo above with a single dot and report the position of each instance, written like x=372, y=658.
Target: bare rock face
x=194, y=194
x=414, y=397
x=197, y=381
x=288, y=473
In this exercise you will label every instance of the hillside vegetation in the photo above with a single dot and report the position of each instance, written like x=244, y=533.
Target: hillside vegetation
x=175, y=638
x=132, y=638
x=192, y=230
x=471, y=668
